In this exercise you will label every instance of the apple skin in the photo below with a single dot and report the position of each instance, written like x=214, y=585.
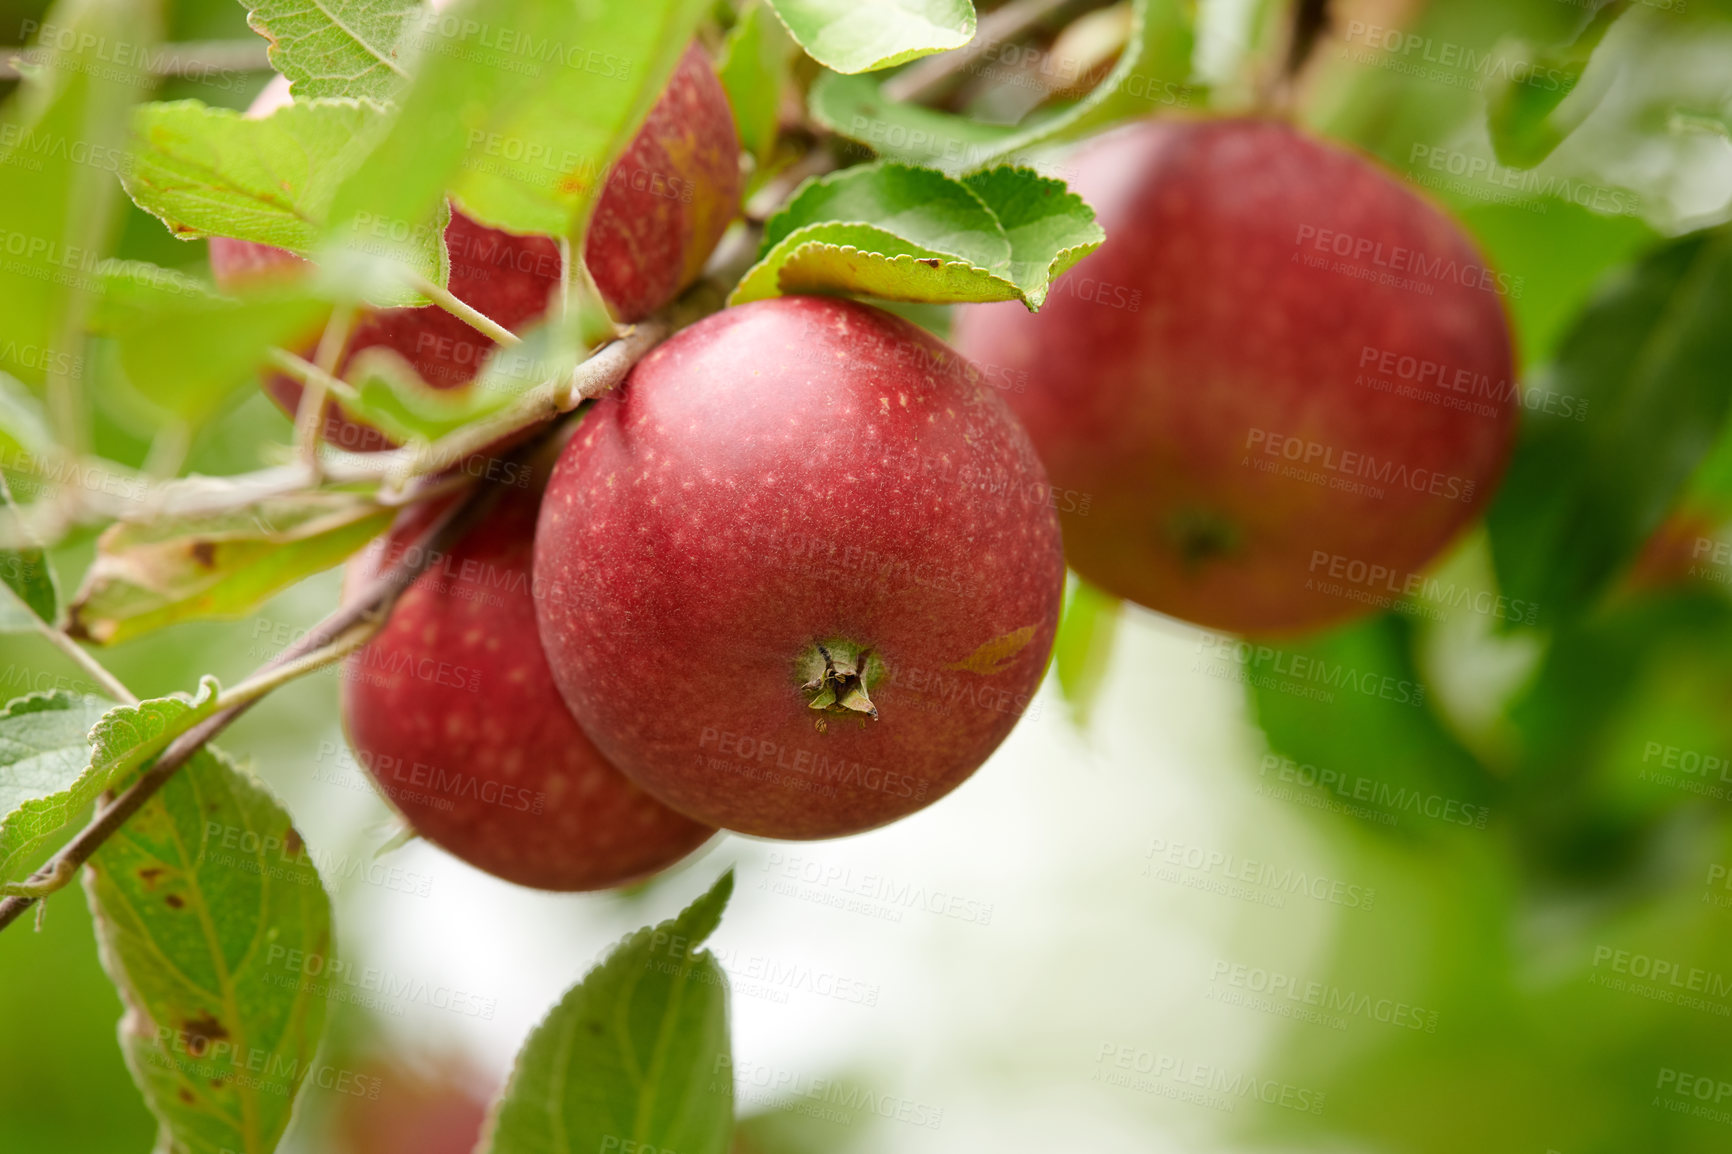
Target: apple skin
x=452, y=711
x=787, y=473
x=1153, y=413
x=668, y=199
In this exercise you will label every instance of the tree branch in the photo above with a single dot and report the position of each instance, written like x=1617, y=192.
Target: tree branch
x=374, y=603
x=919, y=81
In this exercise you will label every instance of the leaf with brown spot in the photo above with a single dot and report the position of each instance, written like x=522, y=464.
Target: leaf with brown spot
x=213, y=969
x=159, y=572
x=996, y=655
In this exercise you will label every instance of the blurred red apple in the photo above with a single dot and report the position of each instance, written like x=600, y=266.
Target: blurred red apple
x=1282, y=368
x=668, y=199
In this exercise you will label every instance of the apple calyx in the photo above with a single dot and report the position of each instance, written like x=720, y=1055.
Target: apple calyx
x=837, y=677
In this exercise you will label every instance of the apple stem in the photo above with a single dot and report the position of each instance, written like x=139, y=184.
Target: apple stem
x=837, y=677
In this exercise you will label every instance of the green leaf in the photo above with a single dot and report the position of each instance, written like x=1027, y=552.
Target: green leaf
x=1151, y=74
x=335, y=47
x=866, y=35
x=1522, y=110
x=24, y=566
x=754, y=70
x=636, y=1056
x=1351, y=730
x=914, y=234
x=62, y=134
x=23, y=424
x=214, y=172
x=1084, y=646
x=46, y=774
x=520, y=127
x=1049, y=227
x=179, y=568
x=208, y=915
x=1648, y=358
x=390, y=396
x=59, y=751
x=188, y=348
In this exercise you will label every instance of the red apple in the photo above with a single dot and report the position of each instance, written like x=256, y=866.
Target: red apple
x=453, y=712
x=668, y=199
x=397, y=1107
x=801, y=573
x=1284, y=375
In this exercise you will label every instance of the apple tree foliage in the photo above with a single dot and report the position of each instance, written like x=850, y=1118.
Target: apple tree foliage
x=215, y=927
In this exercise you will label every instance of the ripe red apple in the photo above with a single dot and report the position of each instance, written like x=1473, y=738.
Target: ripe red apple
x=801, y=572
x=453, y=712
x=668, y=200
x=1284, y=376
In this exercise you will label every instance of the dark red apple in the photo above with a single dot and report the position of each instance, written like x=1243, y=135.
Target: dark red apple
x=1282, y=368
x=453, y=712
x=801, y=573
x=668, y=199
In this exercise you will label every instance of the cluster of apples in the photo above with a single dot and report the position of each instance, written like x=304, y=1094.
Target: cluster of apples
x=801, y=573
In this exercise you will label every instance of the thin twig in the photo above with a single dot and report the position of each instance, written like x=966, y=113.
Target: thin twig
x=195, y=58
x=86, y=661
x=259, y=684
x=374, y=603
x=594, y=377
x=996, y=28
x=468, y=314
x=310, y=413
